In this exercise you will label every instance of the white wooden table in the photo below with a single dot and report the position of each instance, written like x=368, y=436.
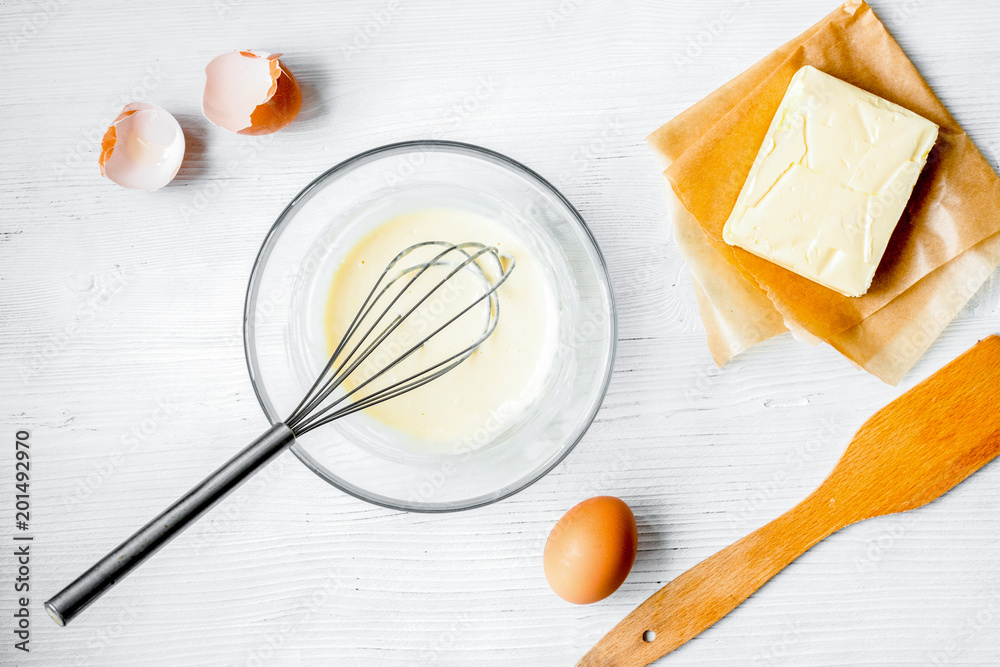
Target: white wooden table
x=120, y=346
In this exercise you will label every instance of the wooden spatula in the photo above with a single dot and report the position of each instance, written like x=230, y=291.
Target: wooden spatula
x=909, y=453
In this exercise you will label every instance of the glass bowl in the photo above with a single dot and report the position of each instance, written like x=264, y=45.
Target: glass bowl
x=285, y=340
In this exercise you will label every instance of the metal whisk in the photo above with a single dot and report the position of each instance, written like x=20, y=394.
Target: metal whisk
x=388, y=305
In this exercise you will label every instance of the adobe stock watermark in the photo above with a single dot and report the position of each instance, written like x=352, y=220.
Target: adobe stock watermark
x=223, y=8
x=701, y=386
x=986, y=296
x=395, y=340
x=268, y=304
x=778, y=652
x=53, y=345
x=905, y=10
x=484, y=89
x=711, y=30
x=877, y=547
x=929, y=327
x=563, y=12
x=34, y=23
x=859, y=229
x=985, y=618
x=603, y=483
x=765, y=491
x=103, y=469
x=366, y=34
x=639, y=279
x=445, y=640
x=466, y=106
x=219, y=522
x=596, y=148
x=681, y=309
x=87, y=148
x=606, y=480
x=207, y=192
x=461, y=451
x=266, y=651
x=593, y=327
x=865, y=229
x=95, y=646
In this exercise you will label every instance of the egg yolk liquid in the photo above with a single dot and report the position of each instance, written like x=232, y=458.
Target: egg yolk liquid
x=488, y=392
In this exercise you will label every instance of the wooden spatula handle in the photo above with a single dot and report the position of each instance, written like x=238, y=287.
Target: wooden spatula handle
x=906, y=455
x=701, y=596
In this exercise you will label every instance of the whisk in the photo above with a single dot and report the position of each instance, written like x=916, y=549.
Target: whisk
x=335, y=394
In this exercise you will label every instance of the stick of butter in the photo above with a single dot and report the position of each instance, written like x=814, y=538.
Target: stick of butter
x=830, y=182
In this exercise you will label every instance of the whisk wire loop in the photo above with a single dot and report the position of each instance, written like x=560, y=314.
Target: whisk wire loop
x=316, y=408
x=341, y=374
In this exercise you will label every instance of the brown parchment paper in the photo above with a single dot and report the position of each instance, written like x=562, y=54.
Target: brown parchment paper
x=887, y=344
x=953, y=207
x=736, y=315
x=890, y=342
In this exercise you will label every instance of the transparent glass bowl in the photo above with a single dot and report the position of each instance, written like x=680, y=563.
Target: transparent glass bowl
x=285, y=337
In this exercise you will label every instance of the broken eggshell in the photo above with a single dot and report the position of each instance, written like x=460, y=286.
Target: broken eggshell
x=143, y=148
x=250, y=93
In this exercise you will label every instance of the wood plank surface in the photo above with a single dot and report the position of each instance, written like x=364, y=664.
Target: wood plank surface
x=121, y=349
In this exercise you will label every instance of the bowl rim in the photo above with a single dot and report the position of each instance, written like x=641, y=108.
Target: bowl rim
x=253, y=287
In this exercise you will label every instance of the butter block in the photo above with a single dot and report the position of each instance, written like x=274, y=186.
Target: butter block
x=830, y=182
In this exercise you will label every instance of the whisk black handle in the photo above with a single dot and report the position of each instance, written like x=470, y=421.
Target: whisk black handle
x=128, y=555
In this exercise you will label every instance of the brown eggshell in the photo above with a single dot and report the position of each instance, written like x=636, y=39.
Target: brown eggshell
x=250, y=93
x=143, y=147
x=591, y=550
x=281, y=108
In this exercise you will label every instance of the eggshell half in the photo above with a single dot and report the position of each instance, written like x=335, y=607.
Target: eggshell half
x=250, y=93
x=143, y=148
x=591, y=550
